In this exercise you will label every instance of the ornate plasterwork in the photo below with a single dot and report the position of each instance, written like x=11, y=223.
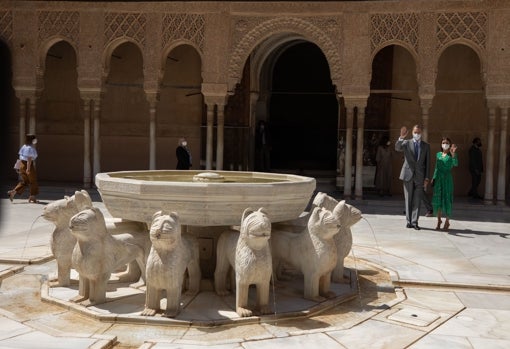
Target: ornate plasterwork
x=6, y=25
x=471, y=26
x=190, y=27
x=62, y=23
x=125, y=25
x=249, y=32
x=391, y=27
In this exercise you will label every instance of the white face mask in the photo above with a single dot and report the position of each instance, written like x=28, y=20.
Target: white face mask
x=184, y=143
x=388, y=143
x=445, y=146
x=34, y=141
x=416, y=136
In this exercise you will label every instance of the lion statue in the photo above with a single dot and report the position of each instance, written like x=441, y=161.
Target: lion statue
x=170, y=256
x=346, y=214
x=246, y=251
x=313, y=252
x=98, y=253
x=62, y=242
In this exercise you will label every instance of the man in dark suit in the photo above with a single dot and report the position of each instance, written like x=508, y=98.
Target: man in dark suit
x=414, y=173
x=475, y=167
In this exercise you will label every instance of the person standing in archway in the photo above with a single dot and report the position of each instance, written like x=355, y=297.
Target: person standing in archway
x=263, y=147
x=183, y=155
x=475, y=167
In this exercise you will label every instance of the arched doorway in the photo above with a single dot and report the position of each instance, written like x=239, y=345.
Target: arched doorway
x=9, y=141
x=393, y=102
x=125, y=113
x=302, y=110
x=59, y=124
x=180, y=106
x=459, y=110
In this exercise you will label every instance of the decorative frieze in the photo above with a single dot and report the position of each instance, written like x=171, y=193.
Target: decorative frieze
x=250, y=31
x=125, y=25
x=6, y=26
x=391, y=27
x=178, y=26
x=59, y=23
x=462, y=25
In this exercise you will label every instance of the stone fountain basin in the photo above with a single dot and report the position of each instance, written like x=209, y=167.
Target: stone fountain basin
x=137, y=195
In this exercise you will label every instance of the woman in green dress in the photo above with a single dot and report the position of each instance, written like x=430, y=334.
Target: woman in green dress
x=442, y=181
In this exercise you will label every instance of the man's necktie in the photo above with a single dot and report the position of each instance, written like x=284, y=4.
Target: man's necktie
x=416, y=150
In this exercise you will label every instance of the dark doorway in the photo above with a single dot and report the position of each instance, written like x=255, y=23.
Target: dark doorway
x=303, y=111
x=9, y=150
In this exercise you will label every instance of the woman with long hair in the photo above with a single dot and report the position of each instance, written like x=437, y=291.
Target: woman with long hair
x=442, y=181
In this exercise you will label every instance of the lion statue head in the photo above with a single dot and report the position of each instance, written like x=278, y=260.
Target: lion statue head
x=255, y=228
x=323, y=223
x=64, y=209
x=165, y=229
x=88, y=224
x=348, y=215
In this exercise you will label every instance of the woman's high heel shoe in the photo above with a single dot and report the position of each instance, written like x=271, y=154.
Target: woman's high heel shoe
x=11, y=194
x=32, y=199
x=446, y=226
x=438, y=227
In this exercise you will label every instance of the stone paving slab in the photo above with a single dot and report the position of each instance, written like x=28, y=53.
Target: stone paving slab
x=456, y=284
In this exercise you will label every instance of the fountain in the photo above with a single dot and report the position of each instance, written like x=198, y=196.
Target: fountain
x=203, y=198
x=207, y=204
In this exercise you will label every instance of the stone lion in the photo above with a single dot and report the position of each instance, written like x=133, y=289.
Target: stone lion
x=313, y=252
x=97, y=254
x=62, y=242
x=246, y=251
x=171, y=254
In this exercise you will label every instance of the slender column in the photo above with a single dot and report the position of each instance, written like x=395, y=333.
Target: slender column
x=425, y=107
x=489, y=182
x=254, y=97
x=31, y=120
x=22, y=121
x=97, y=138
x=348, y=152
x=502, y=157
x=152, y=137
x=86, y=144
x=359, y=154
x=209, y=148
x=220, y=137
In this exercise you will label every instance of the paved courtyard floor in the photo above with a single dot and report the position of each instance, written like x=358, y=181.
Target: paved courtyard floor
x=417, y=289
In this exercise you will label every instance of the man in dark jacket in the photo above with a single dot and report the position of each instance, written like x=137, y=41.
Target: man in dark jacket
x=475, y=167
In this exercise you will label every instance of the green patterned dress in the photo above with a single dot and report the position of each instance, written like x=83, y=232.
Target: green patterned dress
x=442, y=199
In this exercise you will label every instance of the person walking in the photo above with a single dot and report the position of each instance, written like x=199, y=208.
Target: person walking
x=414, y=173
x=475, y=167
x=442, y=182
x=27, y=170
x=183, y=155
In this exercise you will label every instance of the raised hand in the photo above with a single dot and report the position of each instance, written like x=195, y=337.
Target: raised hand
x=453, y=149
x=403, y=132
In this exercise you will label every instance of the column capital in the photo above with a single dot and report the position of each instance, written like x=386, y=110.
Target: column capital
x=498, y=101
x=90, y=93
x=215, y=93
x=355, y=101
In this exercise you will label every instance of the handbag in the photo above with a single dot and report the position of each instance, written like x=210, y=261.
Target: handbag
x=17, y=164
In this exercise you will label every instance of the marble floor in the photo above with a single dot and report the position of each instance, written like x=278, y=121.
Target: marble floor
x=417, y=289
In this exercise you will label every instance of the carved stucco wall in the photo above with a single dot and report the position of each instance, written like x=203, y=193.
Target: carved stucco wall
x=6, y=26
x=248, y=32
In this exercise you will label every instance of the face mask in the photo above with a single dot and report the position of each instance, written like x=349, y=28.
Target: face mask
x=34, y=141
x=184, y=144
x=388, y=143
x=445, y=146
x=416, y=136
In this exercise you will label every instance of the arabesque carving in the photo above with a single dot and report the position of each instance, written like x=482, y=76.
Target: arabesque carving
x=6, y=25
x=243, y=46
x=246, y=251
x=130, y=25
x=471, y=26
x=63, y=23
x=185, y=26
x=391, y=27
